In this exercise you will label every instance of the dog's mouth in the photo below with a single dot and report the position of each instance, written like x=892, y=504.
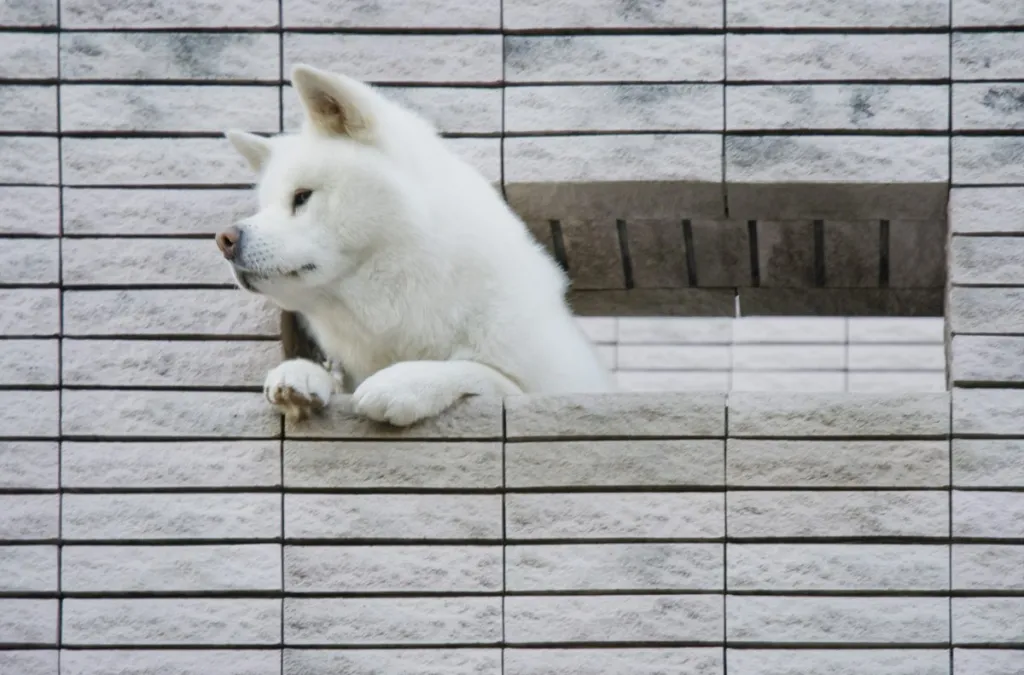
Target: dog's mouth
x=248, y=279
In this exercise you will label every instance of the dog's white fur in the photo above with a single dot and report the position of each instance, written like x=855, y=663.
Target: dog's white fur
x=408, y=267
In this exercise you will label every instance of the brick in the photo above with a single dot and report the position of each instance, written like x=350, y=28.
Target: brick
x=841, y=301
x=987, y=106
x=988, y=411
x=677, y=515
x=836, y=159
x=28, y=56
x=29, y=13
x=785, y=620
x=674, y=330
x=170, y=569
x=28, y=465
x=987, y=13
x=29, y=160
x=29, y=210
x=593, y=253
x=393, y=569
x=986, y=210
x=614, y=567
x=837, y=57
x=893, y=357
x=28, y=362
x=788, y=381
x=170, y=56
x=110, y=211
x=28, y=569
x=393, y=15
x=634, y=415
x=988, y=159
x=670, y=381
x=797, y=415
x=785, y=251
x=852, y=255
x=432, y=661
x=395, y=465
x=29, y=413
x=917, y=254
x=101, y=14
x=152, y=161
x=838, y=464
x=988, y=56
x=629, y=107
x=896, y=381
x=614, y=463
x=987, y=661
x=990, y=515
x=29, y=517
x=825, y=14
x=837, y=568
x=614, y=58
x=112, y=413
x=412, y=621
x=895, y=330
x=168, y=108
x=472, y=418
x=171, y=621
x=988, y=621
x=400, y=58
x=171, y=516
x=674, y=357
x=626, y=661
x=988, y=568
x=657, y=250
x=788, y=330
x=168, y=312
x=988, y=463
x=414, y=517
x=150, y=363
x=29, y=261
x=177, y=661
x=28, y=108
x=720, y=251
x=789, y=357
x=28, y=622
x=986, y=310
x=483, y=154
x=987, y=358
x=987, y=260
x=29, y=662
x=538, y=14
x=839, y=661
x=176, y=464
x=621, y=618
x=838, y=514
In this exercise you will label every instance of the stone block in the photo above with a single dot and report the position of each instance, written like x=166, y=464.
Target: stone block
x=614, y=567
x=25, y=108
x=28, y=56
x=181, y=516
x=483, y=154
x=788, y=14
x=672, y=381
x=837, y=568
x=988, y=568
x=28, y=465
x=28, y=569
x=986, y=210
x=170, y=312
x=383, y=516
x=152, y=161
x=29, y=160
x=991, y=463
x=988, y=159
x=106, y=14
x=917, y=254
x=593, y=254
x=798, y=415
x=29, y=413
x=174, y=108
x=388, y=621
x=721, y=253
x=29, y=261
x=29, y=517
x=112, y=413
x=29, y=210
x=675, y=330
x=785, y=251
x=151, y=363
x=852, y=253
x=618, y=618
x=988, y=661
x=393, y=569
x=111, y=211
x=26, y=622
x=857, y=198
x=896, y=381
x=789, y=330
x=988, y=106
x=595, y=415
x=171, y=569
x=995, y=261
x=26, y=363
x=608, y=661
x=828, y=107
x=451, y=59
x=570, y=14
x=29, y=13
x=575, y=191
x=433, y=661
x=406, y=14
x=171, y=621
x=788, y=381
x=988, y=56
x=175, y=464
x=149, y=262
x=837, y=464
x=986, y=310
x=679, y=515
x=30, y=662
x=846, y=302
x=789, y=357
x=393, y=465
x=896, y=330
x=657, y=251
x=987, y=13
x=987, y=359
x=614, y=58
x=988, y=515
x=838, y=514
x=678, y=302
x=674, y=357
x=177, y=661
x=842, y=620
x=244, y=57
x=988, y=621
x=837, y=57
x=896, y=357
x=839, y=661
x=988, y=412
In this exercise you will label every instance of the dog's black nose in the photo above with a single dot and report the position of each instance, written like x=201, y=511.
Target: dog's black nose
x=227, y=242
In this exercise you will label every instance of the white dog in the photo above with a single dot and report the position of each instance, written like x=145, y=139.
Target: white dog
x=401, y=264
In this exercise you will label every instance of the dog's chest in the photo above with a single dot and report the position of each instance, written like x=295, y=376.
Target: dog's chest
x=359, y=351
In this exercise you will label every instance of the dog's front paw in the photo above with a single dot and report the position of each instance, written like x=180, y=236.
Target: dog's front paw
x=298, y=388
x=400, y=395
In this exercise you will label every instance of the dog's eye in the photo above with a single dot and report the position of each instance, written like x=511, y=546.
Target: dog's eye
x=300, y=198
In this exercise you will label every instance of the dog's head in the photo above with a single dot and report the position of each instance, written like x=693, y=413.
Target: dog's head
x=329, y=196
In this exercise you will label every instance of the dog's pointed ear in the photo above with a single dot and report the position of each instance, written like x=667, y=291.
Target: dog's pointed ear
x=254, y=148
x=335, y=105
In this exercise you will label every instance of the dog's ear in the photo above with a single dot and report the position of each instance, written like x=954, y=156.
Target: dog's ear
x=335, y=104
x=254, y=148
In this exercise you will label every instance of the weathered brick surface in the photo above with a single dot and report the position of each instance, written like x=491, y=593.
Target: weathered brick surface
x=988, y=621
x=28, y=622
x=838, y=661
x=100, y=14
x=30, y=662
x=28, y=569
x=632, y=661
x=178, y=661
x=28, y=465
x=462, y=661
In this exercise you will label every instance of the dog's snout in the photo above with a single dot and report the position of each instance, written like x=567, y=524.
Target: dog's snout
x=228, y=242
